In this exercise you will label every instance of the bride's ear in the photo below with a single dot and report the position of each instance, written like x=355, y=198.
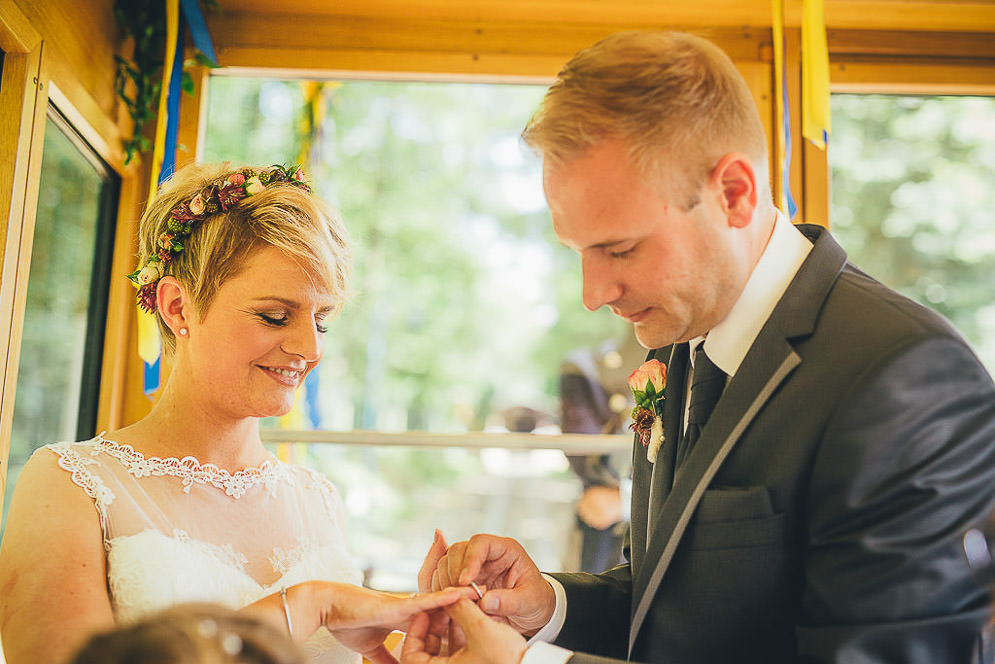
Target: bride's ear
x=173, y=304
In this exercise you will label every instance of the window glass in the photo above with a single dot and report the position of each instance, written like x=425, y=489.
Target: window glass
x=465, y=305
x=912, y=201
x=58, y=376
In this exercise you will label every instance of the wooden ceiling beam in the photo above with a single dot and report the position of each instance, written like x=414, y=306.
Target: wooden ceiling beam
x=911, y=44
x=330, y=43
x=927, y=15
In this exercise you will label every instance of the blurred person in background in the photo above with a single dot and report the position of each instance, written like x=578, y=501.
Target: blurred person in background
x=595, y=399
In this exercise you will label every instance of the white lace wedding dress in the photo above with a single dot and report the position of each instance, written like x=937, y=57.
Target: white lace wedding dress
x=178, y=531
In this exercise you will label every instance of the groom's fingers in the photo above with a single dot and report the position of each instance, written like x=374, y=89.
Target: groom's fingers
x=428, y=568
x=380, y=656
x=414, y=647
x=485, y=558
x=467, y=616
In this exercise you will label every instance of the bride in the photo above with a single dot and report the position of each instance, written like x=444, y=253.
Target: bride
x=243, y=269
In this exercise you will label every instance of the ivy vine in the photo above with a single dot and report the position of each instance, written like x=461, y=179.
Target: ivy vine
x=138, y=81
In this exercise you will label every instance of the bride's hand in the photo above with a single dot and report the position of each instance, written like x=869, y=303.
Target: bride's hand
x=361, y=618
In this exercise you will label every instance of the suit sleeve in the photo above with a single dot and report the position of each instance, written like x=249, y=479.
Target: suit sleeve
x=599, y=608
x=906, y=466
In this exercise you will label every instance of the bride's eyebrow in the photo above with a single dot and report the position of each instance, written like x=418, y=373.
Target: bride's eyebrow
x=289, y=303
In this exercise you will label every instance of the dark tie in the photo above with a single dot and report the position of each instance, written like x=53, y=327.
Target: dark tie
x=707, y=383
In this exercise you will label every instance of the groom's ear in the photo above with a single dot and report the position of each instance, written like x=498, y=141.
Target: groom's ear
x=735, y=179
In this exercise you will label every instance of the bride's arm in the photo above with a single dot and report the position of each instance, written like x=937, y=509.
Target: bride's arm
x=359, y=618
x=53, y=581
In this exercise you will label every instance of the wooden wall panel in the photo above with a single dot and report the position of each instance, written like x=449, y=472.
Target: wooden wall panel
x=22, y=125
x=81, y=38
x=60, y=51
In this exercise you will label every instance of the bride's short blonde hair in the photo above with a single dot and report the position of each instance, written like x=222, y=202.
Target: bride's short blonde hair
x=282, y=215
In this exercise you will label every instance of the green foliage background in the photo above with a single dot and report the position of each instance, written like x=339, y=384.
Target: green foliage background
x=465, y=303
x=913, y=201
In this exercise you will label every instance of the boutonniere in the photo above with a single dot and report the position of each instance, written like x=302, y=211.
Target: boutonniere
x=647, y=384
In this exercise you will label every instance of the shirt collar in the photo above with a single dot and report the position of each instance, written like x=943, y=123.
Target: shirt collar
x=728, y=342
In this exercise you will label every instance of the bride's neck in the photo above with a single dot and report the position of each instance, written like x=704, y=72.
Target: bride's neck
x=176, y=428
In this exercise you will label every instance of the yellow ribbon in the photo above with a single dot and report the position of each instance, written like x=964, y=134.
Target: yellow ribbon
x=148, y=331
x=777, y=7
x=815, y=74
x=148, y=337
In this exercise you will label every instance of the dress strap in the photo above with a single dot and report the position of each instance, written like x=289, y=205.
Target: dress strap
x=74, y=459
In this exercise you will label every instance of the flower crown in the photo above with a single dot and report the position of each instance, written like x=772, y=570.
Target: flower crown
x=219, y=196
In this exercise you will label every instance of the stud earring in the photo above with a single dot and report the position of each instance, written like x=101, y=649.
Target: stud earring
x=183, y=331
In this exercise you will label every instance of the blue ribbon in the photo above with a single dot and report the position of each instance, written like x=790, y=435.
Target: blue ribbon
x=786, y=171
x=198, y=29
x=173, y=108
x=152, y=377
x=311, y=385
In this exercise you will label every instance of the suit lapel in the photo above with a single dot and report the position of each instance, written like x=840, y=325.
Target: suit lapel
x=743, y=399
x=646, y=474
x=770, y=361
x=673, y=430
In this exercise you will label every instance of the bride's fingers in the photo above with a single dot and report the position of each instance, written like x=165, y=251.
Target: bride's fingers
x=400, y=611
x=431, y=563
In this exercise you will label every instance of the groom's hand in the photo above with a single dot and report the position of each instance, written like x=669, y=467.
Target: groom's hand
x=487, y=641
x=515, y=590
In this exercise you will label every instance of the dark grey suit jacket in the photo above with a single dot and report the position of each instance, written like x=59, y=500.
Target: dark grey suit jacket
x=819, y=516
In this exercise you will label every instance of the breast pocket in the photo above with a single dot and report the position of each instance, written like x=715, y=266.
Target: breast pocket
x=735, y=517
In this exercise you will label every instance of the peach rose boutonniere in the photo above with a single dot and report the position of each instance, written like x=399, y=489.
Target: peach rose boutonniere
x=647, y=384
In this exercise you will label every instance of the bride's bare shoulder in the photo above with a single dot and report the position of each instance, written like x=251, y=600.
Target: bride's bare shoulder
x=52, y=534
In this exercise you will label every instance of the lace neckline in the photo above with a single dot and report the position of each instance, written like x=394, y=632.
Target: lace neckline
x=190, y=470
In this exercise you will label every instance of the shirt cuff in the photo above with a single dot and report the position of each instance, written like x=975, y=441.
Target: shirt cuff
x=546, y=653
x=552, y=629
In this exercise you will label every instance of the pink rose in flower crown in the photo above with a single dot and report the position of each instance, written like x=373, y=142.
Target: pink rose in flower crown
x=647, y=384
x=197, y=205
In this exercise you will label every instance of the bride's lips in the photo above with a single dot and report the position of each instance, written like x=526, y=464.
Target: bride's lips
x=284, y=375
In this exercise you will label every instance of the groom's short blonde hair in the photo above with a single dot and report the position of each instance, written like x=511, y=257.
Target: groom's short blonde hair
x=676, y=100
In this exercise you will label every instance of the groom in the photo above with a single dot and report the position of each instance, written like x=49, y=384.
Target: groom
x=814, y=512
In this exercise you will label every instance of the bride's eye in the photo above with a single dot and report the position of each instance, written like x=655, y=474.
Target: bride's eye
x=279, y=320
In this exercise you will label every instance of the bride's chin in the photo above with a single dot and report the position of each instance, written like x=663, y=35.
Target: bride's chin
x=274, y=409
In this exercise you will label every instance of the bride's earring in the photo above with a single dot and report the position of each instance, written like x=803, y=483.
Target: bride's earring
x=183, y=331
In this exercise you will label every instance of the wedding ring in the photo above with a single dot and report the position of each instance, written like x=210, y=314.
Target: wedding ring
x=476, y=588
